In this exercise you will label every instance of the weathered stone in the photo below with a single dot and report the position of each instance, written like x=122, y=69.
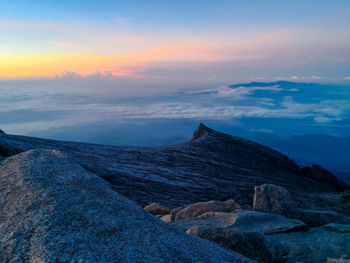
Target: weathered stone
x=53, y=210
x=253, y=245
x=274, y=199
x=314, y=218
x=315, y=245
x=197, y=209
x=249, y=221
x=157, y=209
x=342, y=228
x=166, y=218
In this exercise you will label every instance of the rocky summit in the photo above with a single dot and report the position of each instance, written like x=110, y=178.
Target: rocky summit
x=52, y=210
x=212, y=166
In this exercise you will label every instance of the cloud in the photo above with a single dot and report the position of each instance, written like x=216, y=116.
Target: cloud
x=347, y=78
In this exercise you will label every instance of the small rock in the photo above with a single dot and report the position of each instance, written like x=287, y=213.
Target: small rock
x=197, y=209
x=341, y=228
x=274, y=199
x=157, y=209
x=166, y=218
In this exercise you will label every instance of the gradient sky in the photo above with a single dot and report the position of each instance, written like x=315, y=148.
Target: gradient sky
x=176, y=40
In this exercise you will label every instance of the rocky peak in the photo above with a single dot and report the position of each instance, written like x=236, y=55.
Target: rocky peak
x=200, y=132
x=1, y=131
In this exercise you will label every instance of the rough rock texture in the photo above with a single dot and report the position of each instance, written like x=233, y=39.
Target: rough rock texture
x=157, y=209
x=166, y=218
x=336, y=201
x=342, y=228
x=274, y=199
x=253, y=245
x=320, y=174
x=249, y=221
x=213, y=166
x=314, y=218
x=1, y=131
x=315, y=245
x=52, y=210
x=197, y=209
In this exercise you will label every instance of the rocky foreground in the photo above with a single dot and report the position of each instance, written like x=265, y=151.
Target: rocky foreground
x=273, y=230
x=64, y=202
x=52, y=210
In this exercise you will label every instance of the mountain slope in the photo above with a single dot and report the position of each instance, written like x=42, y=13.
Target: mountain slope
x=52, y=210
x=212, y=165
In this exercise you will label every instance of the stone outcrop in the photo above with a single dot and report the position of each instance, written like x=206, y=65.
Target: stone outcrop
x=274, y=199
x=53, y=210
x=157, y=209
x=253, y=245
x=197, y=209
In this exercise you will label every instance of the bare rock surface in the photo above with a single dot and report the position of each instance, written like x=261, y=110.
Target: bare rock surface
x=213, y=166
x=157, y=209
x=274, y=199
x=197, y=209
x=314, y=218
x=248, y=221
x=341, y=228
x=52, y=210
x=315, y=245
x=253, y=245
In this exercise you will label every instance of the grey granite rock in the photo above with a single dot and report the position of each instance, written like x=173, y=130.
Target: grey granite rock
x=253, y=245
x=52, y=210
x=197, y=209
x=248, y=221
x=213, y=166
x=315, y=245
x=274, y=199
x=314, y=218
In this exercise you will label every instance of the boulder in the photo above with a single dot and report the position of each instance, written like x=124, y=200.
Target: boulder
x=253, y=245
x=274, y=199
x=157, y=209
x=53, y=210
x=315, y=245
x=197, y=209
x=341, y=228
x=249, y=221
x=314, y=218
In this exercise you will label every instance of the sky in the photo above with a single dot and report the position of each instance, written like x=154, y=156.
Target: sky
x=173, y=41
x=114, y=65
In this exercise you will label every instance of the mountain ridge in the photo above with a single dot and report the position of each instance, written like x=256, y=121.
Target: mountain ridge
x=212, y=166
